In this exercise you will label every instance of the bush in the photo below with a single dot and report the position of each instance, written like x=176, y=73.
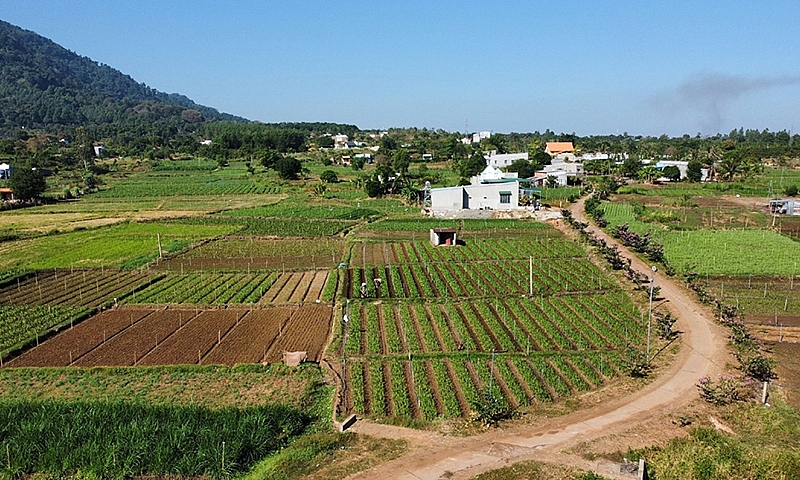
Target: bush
x=791, y=190
x=727, y=390
x=288, y=168
x=329, y=176
x=492, y=409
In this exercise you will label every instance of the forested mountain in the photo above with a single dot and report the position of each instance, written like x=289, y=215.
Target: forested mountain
x=44, y=86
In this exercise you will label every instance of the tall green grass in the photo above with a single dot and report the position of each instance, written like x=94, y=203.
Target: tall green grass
x=120, y=439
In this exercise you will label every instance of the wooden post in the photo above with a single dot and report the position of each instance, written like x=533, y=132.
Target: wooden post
x=764, y=393
x=160, y=252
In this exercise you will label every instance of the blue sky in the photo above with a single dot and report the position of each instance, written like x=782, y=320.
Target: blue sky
x=589, y=67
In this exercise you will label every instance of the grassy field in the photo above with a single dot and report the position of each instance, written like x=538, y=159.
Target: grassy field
x=718, y=251
x=163, y=421
x=126, y=245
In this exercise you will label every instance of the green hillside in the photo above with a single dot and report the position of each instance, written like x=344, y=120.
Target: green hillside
x=45, y=86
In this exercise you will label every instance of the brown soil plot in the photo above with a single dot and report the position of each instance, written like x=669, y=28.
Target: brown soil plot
x=71, y=344
x=251, y=338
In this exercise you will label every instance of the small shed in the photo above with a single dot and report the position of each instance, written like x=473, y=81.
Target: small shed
x=443, y=236
x=784, y=206
x=6, y=194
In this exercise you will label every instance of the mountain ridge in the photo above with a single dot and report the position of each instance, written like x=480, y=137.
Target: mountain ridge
x=46, y=86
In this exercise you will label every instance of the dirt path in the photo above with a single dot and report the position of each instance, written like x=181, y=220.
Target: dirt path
x=702, y=353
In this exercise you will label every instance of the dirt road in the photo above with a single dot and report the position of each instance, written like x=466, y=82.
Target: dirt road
x=702, y=353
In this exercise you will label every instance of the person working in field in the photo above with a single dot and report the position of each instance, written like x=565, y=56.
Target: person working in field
x=364, y=291
x=377, y=281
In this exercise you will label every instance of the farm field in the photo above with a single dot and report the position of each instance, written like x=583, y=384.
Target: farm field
x=448, y=326
x=124, y=245
x=143, y=336
x=743, y=252
x=209, y=288
x=88, y=288
x=248, y=253
x=418, y=228
x=478, y=269
x=762, y=300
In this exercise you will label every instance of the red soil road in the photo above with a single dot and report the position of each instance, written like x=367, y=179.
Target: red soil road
x=250, y=340
x=131, y=344
x=71, y=344
x=307, y=331
x=702, y=353
x=199, y=335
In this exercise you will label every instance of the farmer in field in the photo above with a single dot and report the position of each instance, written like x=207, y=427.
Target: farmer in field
x=377, y=281
x=364, y=291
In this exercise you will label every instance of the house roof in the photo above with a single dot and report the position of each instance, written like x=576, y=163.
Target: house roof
x=505, y=192
x=554, y=148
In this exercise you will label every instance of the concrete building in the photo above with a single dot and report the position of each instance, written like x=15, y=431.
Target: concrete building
x=492, y=189
x=498, y=160
x=571, y=168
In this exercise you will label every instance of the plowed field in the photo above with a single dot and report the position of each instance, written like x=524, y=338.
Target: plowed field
x=138, y=336
x=72, y=344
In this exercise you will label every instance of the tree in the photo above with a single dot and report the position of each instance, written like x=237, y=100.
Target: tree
x=552, y=181
x=540, y=157
x=648, y=173
x=27, y=184
x=791, y=190
x=694, y=171
x=672, y=172
x=329, y=176
x=288, y=168
x=473, y=165
x=401, y=161
x=631, y=167
x=523, y=167
x=270, y=158
x=357, y=163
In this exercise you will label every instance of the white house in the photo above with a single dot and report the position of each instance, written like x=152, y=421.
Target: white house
x=485, y=196
x=571, y=168
x=492, y=189
x=99, y=150
x=495, y=159
x=561, y=176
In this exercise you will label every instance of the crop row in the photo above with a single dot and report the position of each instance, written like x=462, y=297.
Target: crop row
x=474, y=250
x=21, y=323
x=447, y=387
x=590, y=322
x=476, y=279
x=71, y=288
x=212, y=186
x=145, y=336
x=237, y=288
x=206, y=289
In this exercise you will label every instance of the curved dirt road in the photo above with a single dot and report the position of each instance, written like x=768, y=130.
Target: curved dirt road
x=702, y=353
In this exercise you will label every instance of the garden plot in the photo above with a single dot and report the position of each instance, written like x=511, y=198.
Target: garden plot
x=248, y=254
x=146, y=336
x=88, y=288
